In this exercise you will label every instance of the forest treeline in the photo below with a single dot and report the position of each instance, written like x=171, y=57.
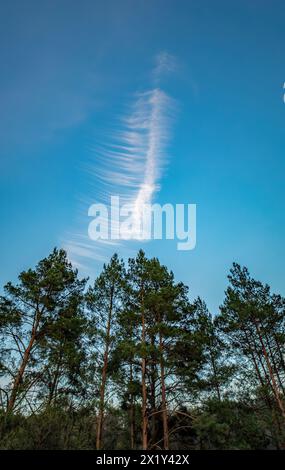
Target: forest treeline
x=130, y=362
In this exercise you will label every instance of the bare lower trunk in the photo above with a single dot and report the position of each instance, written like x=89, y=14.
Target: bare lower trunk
x=100, y=419
x=144, y=391
x=271, y=374
x=152, y=398
x=132, y=426
x=19, y=377
x=102, y=403
x=275, y=366
x=163, y=397
x=132, y=411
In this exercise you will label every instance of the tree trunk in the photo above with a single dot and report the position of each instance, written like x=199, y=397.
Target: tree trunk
x=54, y=384
x=280, y=352
x=271, y=373
x=275, y=366
x=152, y=398
x=19, y=377
x=144, y=391
x=132, y=411
x=163, y=396
x=217, y=385
x=100, y=419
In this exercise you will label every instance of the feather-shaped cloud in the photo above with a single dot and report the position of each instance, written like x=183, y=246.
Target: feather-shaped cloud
x=130, y=163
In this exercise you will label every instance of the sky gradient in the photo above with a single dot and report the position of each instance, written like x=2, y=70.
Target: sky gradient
x=70, y=71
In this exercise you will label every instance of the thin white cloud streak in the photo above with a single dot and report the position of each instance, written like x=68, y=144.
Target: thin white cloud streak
x=131, y=161
x=132, y=165
x=153, y=120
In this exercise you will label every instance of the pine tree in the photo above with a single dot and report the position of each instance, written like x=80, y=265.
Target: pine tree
x=46, y=300
x=104, y=301
x=253, y=319
x=216, y=371
x=160, y=305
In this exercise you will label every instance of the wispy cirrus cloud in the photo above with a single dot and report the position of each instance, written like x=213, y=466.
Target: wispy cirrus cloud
x=165, y=63
x=131, y=160
x=131, y=164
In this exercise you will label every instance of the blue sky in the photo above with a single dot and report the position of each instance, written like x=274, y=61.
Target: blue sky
x=69, y=71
